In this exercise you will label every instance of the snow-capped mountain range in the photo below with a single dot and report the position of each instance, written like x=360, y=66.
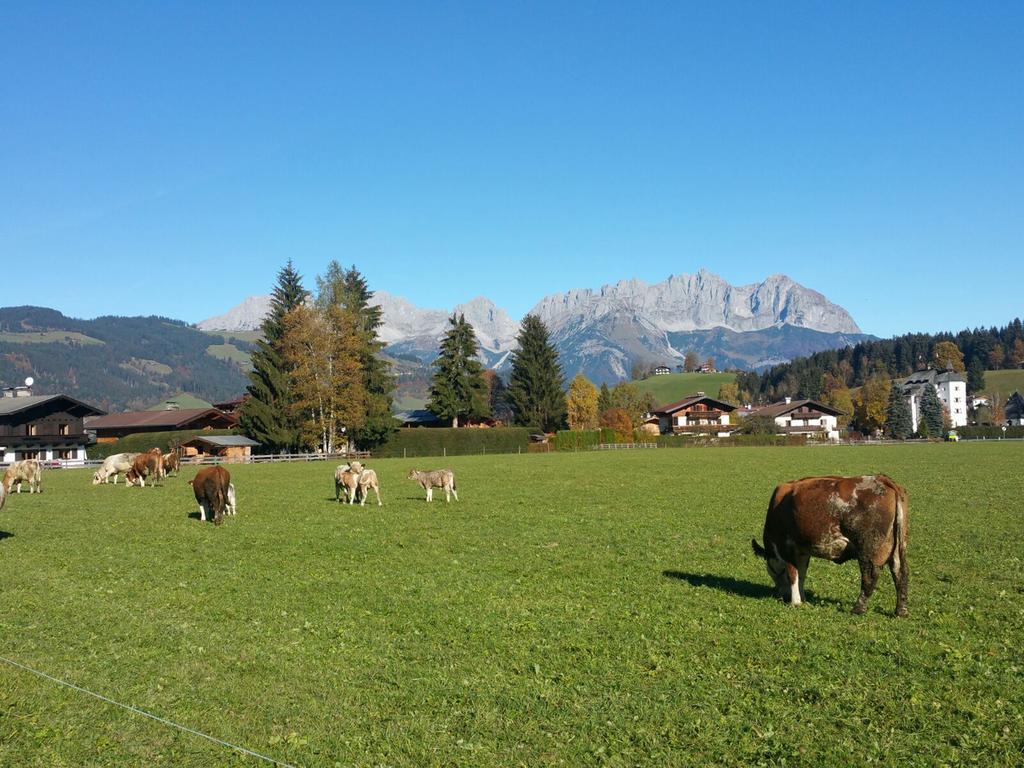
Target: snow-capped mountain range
x=604, y=332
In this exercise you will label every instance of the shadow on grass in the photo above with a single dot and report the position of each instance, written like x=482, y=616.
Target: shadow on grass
x=723, y=583
x=5, y=535
x=742, y=587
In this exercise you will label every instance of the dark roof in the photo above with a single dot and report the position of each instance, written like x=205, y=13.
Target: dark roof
x=420, y=416
x=780, y=409
x=10, y=405
x=692, y=400
x=166, y=419
x=930, y=376
x=224, y=441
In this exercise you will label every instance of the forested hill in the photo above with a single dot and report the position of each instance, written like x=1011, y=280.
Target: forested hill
x=114, y=363
x=982, y=349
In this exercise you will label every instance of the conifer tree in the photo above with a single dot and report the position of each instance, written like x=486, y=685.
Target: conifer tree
x=535, y=389
x=604, y=399
x=931, y=410
x=348, y=290
x=899, y=421
x=458, y=390
x=581, y=403
x=266, y=415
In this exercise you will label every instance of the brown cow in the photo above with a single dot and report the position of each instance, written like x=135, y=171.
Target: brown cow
x=838, y=519
x=171, y=463
x=143, y=466
x=210, y=485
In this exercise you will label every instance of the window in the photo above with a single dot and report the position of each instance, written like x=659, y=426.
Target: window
x=30, y=429
x=66, y=454
x=63, y=429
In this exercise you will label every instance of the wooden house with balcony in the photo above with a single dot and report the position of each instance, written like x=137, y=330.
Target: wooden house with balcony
x=697, y=414
x=803, y=417
x=44, y=427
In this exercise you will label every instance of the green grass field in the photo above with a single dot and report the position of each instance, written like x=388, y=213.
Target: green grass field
x=228, y=352
x=572, y=609
x=675, y=386
x=46, y=337
x=1004, y=382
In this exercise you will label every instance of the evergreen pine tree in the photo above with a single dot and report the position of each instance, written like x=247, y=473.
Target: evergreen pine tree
x=458, y=390
x=604, y=399
x=899, y=421
x=535, y=385
x=931, y=410
x=266, y=415
x=347, y=289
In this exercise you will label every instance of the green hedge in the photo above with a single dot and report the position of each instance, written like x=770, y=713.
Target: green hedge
x=990, y=433
x=143, y=441
x=583, y=439
x=428, y=441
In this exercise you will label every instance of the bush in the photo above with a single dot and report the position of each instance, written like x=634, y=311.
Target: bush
x=143, y=441
x=583, y=439
x=427, y=441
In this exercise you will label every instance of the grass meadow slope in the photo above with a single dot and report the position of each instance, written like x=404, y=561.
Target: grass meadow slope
x=671, y=387
x=572, y=609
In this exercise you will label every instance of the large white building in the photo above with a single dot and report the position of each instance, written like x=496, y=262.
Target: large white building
x=951, y=388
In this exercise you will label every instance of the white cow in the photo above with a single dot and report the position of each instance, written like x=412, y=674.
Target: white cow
x=27, y=470
x=114, y=465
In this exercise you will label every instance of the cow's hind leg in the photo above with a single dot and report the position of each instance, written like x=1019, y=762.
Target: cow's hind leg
x=868, y=580
x=900, y=577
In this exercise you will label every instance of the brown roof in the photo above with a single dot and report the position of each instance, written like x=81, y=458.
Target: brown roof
x=692, y=400
x=779, y=409
x=166, y=419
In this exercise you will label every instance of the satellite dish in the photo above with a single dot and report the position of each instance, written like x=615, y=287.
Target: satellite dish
x=29, y=381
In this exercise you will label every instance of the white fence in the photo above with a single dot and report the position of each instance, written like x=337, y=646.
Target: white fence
x=623, y=446
x=267, y=458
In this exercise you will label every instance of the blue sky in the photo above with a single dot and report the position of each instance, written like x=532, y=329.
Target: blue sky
x=169, y=157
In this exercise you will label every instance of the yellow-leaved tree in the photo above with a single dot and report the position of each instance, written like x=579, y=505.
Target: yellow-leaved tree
x=581, y=403
x=871, y=403
x=947, y=354
x=321, y=348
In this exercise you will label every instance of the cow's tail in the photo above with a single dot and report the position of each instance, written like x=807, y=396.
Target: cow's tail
x=219, y=501
x=900, y=569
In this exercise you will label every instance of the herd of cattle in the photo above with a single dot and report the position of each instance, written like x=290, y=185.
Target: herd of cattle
x=834, y=518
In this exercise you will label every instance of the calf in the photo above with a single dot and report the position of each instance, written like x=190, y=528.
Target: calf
x=27, y=470
x=230, y=507
x=838, y=519
x=348, y=479
x=171, y=464
x=367, y=480
x=438, y=478
x=145, y=465
x=212, y=486
x=117, y=464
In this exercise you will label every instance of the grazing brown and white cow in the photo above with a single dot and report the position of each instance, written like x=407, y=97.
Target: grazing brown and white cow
x=3, y=495
x=837, y=518
x=212, y=486
x=171, y=463
x=27, y=470
x=117, y=464
x=148, y=464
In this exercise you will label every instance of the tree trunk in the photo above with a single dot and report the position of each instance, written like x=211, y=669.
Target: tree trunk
x=455, y=422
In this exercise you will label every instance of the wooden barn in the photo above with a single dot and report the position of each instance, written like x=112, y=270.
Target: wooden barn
x=229, y=447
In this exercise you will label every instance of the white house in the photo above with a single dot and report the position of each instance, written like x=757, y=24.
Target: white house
x=662, y=370
x=697, y=414
x=951, y=388
x=803, y=417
